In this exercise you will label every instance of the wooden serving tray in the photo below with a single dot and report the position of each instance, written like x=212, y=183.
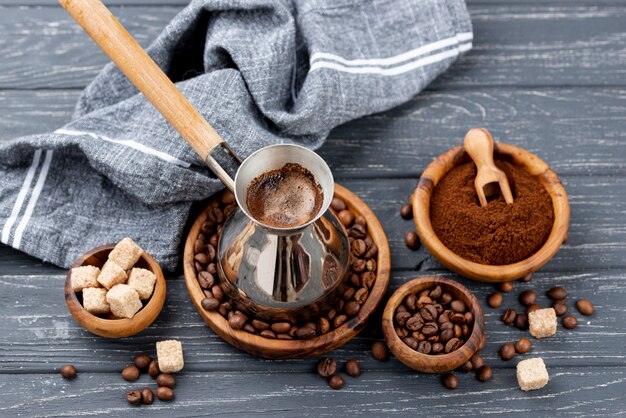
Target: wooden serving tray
x=285, y=349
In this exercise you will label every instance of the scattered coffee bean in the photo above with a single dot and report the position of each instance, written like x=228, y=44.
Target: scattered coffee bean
x=528, y=297
x=484, y=374
x=142, y=361
x=380, y=351
x=507, y=351
x=68, y=371
x=412, y=240
x=336, y=381
x=505, y=287
x=466, y=367
x=326, y=367
x=527, y=279
x=585, y=307
x=353, y=368
x=450, y=381
x=477, y=361
x=521, y=321
x=523, y=345
x=508, y=317
x=533, y=308
x=494, y=300
x=134, y=397
x=147, y=397
x=153, y=369
x=166, y=379
x=164, y=393
x=557, y=293
x=406, y=211
x=569, y=322
x=559, y=307
x=130, y=373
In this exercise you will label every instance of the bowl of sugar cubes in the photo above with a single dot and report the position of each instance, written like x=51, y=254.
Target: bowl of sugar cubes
x=115, y=290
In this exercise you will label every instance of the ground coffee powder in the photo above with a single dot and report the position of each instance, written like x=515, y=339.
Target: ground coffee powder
x=497, y=234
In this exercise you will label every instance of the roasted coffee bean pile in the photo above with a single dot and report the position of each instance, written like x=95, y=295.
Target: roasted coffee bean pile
x=327, y=368
x=433, y=322
x=143, y=363
x=362, y=276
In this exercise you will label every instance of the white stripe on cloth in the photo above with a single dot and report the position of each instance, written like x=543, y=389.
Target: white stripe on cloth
x=41, y=180
x=396, y=59
x=392, y=71
x=21, y=196
x=129, y=143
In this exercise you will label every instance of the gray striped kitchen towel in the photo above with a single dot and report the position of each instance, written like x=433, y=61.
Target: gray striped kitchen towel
x=260, y=71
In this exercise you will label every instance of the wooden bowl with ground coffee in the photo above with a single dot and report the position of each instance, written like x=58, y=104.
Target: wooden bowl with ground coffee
x=499, y=242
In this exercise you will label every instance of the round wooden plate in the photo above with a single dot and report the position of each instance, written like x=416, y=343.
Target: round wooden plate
x=284, y=349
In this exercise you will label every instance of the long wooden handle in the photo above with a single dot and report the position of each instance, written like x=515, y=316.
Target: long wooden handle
x=144, y=73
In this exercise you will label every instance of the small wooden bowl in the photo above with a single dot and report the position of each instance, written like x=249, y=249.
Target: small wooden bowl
x=284, y=349
x=430, y=363
x=115, y=328
x=484, y=272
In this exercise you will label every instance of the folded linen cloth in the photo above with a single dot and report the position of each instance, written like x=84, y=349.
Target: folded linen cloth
x=260, y=71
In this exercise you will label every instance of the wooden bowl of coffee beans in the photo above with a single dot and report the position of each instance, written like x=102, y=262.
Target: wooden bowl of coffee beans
x=433, y=324
x=499, y=242
x=107, y=324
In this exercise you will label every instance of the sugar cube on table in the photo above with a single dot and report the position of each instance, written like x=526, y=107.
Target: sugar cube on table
x=124, y=301
x=170, y=356
x=111, y=275
x=542, y=323
x=83, y=277
x=94, y=300
x=126, y=253
x=532, y=374
x=142, y=281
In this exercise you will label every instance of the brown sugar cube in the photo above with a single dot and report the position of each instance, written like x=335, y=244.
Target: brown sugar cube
x=111, y=275
x=94, y=300
x=83, y=277
x=542, y=322
x=532, y=374
x=126, y=253
x=142, y=281
x=170, y=356
x=124, y=301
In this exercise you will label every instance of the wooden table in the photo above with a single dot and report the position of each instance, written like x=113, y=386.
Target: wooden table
x=549, y=76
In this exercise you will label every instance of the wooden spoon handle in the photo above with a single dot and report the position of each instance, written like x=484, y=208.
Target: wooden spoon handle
x=144, y=73
x=478, y=144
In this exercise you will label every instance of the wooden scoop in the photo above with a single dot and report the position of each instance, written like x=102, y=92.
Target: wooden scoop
x=489, y=178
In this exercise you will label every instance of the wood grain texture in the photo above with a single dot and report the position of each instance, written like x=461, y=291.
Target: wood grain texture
x=513, y=45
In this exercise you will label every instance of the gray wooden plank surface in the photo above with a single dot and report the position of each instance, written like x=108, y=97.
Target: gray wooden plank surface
x=514, y=45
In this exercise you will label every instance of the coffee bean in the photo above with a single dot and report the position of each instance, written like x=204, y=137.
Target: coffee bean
x=198, y=246
x=528, y=297
x=446, y=335
x=445, y=298
x=337, y=204
x=443, y=318
x=457, y=319
x=415, y=323
x=164, y=393
x=130, y=373
x=494, y=300
x=210, y=304
x=452, y=345
x=260, y=325
x=249, y=328
x=227, y=197
x=559, y=307
x=450, y=381
x=339, y=320
x=358, y=231
x=212, y=268
x=306, y=333
x=281, y=327
x=358, y=248
x=205, y=279
x=507, y=351
x=508, y=316
x=458, y=331
x=166, y=379
x=346, y=217
x=457, y=306
x=371, y=251
x=368, y=279
x=557, y=293
x=380, y=351
x=437, y=348
x=466, y=367
x=147, y=397
x=429, y=313
x=361, y=295
x=533, y=308
x=569, y=322
x=412, y=240
x=469, y=318
x=323, y=326
x=436, y=292
x=505, y=287
x=360, y=220
x=406, y=211
x=326, y=367
x=523, y=345
x=268, y=333
x=336, y=382
x=142, y=361
x=477, y=361
x=527, y=279
x=352, y=308
x=585, y=307
x=422, y=301
x=403, y=317
x=153, y=369
x=411, y=342
x=358, y=265
x=237, y=321
x=484, y=374
x=429, y=328
x=353, y=368
x=134, y=397
x=521, y=321
x=68, y=371
x=217, y=291
x=410, y=302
